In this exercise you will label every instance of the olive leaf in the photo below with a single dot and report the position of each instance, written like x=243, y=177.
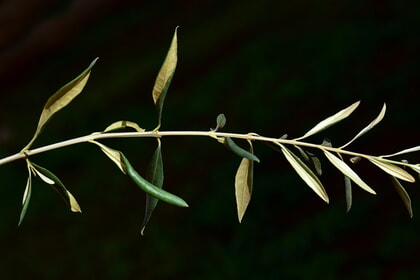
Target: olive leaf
x=243, y=184
x=114, y=155
x=377, y=120
x=232, y=146
x=331, y=120
x=26, y=195
x=348, y=191
x=393, y=170
x=403, y=194
x=346, y=170
x=59, y=187
x=123, y=124
x=406, y=151
x=164, y=77
x=305, y=173
x=220, y=122
x=154, y=176
x=61, y=99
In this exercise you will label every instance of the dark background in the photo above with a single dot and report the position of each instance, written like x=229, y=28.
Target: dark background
x=272, y=67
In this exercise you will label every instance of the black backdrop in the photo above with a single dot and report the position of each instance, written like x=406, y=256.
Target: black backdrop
x=272, y=67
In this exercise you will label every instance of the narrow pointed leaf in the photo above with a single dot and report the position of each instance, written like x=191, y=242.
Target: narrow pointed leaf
x=114, y=155
x=348, y=190
x=154, y=176
x=317, y=164
x=61, y=99
x=164, y=77
x=393, y=170
x=406, y=151
x=346, y=170
x=403, y=194
x=26, y=196
x=331, y=120
x=231, y=145
x=377, y=120
x=149, y=188
x=42, y=176
x=305, y=173
x=60, y=188
x=123, y=124
x=415, y=168
x=243, y=185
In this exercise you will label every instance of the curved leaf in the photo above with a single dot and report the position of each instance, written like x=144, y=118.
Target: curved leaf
x=403, y=194
x=393, y=170
x=59, y=187
x=346, y=170
x=305, y=173
x=123, y=124
x=26, y=195
x=61, y=99
x=331, y=120
x=406, y=151
x=369, y=127
x=220, y=122
x=164, y=77
x=231, y=145
x=243, y=185
x=154, y=176
x=114, y=155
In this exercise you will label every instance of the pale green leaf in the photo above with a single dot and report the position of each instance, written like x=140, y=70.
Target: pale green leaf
x=406, y=151
x=415, y=168
x=114, y=155
x=348, y=190
x=346, y=170
x=26, y=195
x=393, y=170
x=331, y=120
x=403, y=194
x=243, y=185
x=61, y=99
x=154, y=176
x=220, y=122
x=305, y=173
x=369, y=127
x=164, y=77
x=59, y=187
x=41, y=176
x=123, y=124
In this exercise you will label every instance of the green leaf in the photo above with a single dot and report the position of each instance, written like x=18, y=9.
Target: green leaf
x=392, y=170
x=61, y=99
x=231, y=145
x=331, y=120
x=346, y=170
x=369, y=127
x=348, y=190
x=243, y=185
x=149, y=188
x=305, y=173
x=59, y=187
x=164, y=77
x=409, y=150
x=220, y=122
x=114, y=155
x=403, y=194
x=26, y=195
x=154, y=176
x=122, y=125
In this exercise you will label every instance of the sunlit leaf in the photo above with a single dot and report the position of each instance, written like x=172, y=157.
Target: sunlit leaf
x=369, y=127
x=348, y=190
x=154, y=176
x=393, y=170
x=59, y=187
x=409, y=150
x=114, y=155
x=42, y=176
x=164, y=77
x=61, y=99
x=403, y=194
x=26, y=195
x=231, y=145
x=346, y=170
x=331, y=120
x=416, y=168
x=243, y=185
x=305, y=173
x=123, y=124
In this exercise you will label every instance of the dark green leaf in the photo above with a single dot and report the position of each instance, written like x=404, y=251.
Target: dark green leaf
x=239, y=151
x=348, y=190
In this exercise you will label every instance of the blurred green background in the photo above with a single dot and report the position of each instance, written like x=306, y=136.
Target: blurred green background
x=271, y=67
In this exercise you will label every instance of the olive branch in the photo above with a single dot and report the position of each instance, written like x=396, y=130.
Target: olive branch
x=306, y=164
